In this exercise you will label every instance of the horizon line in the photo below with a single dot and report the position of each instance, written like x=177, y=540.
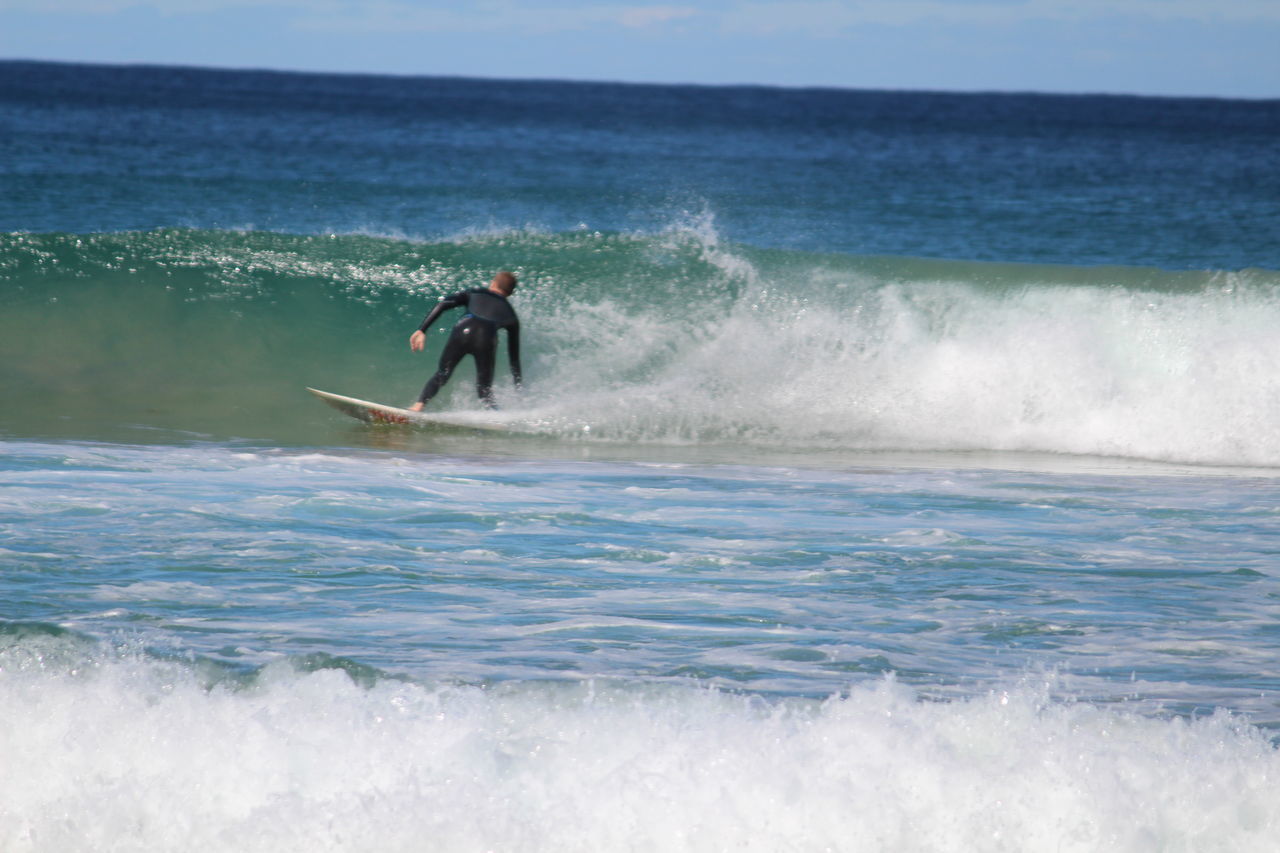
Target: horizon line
x=784, y=87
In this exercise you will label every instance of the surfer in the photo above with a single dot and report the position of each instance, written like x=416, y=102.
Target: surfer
x=476, y=334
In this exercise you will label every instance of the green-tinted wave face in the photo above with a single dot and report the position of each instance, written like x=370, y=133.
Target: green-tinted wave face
x=654, y=339
x=172, y=330
x=217, y=333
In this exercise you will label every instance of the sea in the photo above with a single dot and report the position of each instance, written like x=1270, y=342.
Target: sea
x=893, y=471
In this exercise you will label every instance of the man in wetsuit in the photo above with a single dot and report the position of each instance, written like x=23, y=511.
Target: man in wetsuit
x=476, y=334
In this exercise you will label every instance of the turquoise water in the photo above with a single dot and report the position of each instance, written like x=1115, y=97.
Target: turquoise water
x=782, y=580
x=894, y=472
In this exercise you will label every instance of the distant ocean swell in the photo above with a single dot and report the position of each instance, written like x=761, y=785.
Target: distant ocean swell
x=129, y=753
x=670, y=337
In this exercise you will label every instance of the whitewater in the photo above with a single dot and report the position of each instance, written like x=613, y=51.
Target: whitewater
x=894, y=471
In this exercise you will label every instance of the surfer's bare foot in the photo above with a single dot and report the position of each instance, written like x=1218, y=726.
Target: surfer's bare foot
x=416, y=407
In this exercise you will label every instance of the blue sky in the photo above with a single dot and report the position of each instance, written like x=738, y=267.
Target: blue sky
x=1163, y=47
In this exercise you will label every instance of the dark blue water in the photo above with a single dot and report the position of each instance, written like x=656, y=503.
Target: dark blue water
x=1173, y=183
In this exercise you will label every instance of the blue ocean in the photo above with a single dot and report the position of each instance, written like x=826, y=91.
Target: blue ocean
x=893, y=471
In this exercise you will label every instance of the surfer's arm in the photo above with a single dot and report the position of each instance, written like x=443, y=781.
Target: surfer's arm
x=513, y=353
x=418, y=340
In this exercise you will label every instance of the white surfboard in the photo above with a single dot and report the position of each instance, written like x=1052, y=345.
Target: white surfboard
x=380, y=413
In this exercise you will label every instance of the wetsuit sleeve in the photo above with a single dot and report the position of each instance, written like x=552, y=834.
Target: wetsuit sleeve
x=513, y=352
x=457, y=300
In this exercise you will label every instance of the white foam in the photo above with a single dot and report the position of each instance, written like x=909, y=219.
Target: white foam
x=1183, y=375
x=162, y=591
x=135, y=756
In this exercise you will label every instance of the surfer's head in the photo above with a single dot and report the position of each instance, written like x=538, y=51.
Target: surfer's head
x=504, y=282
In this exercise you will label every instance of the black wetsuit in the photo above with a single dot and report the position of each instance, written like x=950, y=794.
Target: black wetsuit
x=476, y=334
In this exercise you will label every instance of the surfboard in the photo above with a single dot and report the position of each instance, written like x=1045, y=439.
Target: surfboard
x=380, y=413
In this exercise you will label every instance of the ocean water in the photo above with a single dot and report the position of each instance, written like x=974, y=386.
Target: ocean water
x=894, y=472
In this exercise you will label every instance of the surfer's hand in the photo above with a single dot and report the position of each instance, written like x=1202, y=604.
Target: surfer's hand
x=418, y=341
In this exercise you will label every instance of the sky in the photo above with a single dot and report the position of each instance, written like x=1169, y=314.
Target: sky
x=1225, y=48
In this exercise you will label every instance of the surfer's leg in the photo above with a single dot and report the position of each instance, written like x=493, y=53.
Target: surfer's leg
x=454, y=349
x=482, y=342
x=484, y=376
